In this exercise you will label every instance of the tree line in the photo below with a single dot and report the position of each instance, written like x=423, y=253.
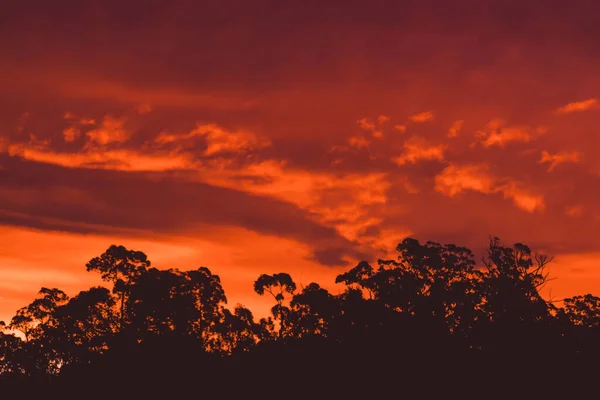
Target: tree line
x=431, y=315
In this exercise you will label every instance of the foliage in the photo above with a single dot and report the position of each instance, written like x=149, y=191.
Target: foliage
x=432, y=302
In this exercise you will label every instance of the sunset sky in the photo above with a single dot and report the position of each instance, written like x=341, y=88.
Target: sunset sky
x=300, y=136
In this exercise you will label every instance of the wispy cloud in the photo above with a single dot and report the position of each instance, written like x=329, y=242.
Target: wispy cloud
x=422, y=117
x=455, y=128
x=70, y=134
x=369, y=126
x=218, y=140
x=455, y=179
x=358, y=142
x=366, y=124
x=496, y=133
x=559, y=158
x=382, y=119
x=578, y=106
x=417, y=149
x=165, y=152
x=400, y=128
x=120, y=160
x=112, y=130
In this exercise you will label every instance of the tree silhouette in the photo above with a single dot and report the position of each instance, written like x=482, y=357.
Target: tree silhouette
x=181, y=303
x=38, y=355
x=121, y=267
x=32, y=319
x=277, y=285
x=10, y=346
x=238, y=331
x=359, y=277
x=516, y=310
x=431, y=320
x=85, y=325
x=315, y=312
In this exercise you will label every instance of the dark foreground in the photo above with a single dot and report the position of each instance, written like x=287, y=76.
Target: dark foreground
x=431, y=324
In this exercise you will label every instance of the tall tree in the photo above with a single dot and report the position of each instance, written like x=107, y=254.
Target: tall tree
x=315, y=312
x=31, y=320
x=121, y=267
x=238, y=331
x=38, y=354
x=517, y=313
x=277, y=285
x=185, y=303
x=434, y=283
x=85, y=325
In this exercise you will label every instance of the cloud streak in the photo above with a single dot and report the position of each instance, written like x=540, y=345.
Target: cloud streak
x=496, y=133
x=578, y=106
x=554, y=160
x=422, y=117
x=417, y=149
x=455, y=179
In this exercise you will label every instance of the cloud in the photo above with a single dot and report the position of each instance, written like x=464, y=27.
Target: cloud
x=70, y=134
x=496, y=133
x=559, y=158
x=358, y=142
x=186, y=207
x=522, y=197
x=323, y=195
x=367, y=125
x=340, y=200
x=578, y=106
x=416, y=149
x=455, y=179
x=166, y=152
x=112, y=130
x=120, y=160
x=217, y=139
x=36, y=143
x=422, y=117
x=382, y=119
x=400, y=128
x=455, y=128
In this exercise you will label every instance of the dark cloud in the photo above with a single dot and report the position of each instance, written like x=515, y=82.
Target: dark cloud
x=50, y=197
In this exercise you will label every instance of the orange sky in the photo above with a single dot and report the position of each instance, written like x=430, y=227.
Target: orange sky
x=294, y=136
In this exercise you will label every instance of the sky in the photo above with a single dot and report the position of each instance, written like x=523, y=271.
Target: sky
x=297, y=136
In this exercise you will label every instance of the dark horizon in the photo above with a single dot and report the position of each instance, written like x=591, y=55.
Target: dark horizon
x=427, y=315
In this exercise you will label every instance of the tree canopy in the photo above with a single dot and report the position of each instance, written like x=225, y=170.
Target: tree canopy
x=433, y=313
